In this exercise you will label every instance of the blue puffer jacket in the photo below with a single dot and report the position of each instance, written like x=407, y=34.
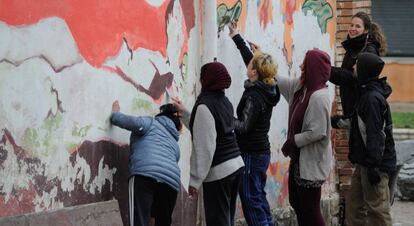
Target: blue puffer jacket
x=154, y=148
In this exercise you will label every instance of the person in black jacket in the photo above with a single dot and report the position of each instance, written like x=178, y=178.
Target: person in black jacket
x=371, y=147
x=254, y=112
x=363, y=36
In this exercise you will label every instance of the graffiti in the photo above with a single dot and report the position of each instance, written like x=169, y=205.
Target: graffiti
x=28, y=187
x=321, y=9
x=64, y=63
x=225, y=14
x=265, y=13
x=278, y=182
x=290, y=8
x=60, y=150
x=159, y=83
x=92, y=31
x=55, y=68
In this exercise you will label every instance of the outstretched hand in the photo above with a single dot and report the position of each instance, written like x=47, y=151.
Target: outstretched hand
x=254, y=47
x=178, y=104
x=234, y=30
x=115, y=106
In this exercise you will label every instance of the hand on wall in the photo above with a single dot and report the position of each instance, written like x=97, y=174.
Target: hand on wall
x=115, y=106
x=178, y=104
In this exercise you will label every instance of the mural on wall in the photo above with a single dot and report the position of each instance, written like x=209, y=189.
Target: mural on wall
x=63, y=63
x=61, y=68
x=225, y=15
x=285, y=29
x=321, y=9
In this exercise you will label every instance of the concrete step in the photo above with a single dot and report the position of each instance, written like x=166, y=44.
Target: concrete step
x=100, y=213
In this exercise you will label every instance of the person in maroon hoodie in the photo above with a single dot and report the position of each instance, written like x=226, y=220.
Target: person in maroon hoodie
x=308, y=141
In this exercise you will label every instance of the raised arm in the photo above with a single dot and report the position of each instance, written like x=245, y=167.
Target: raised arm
x=342, y=77
x=245, y=52
x=185, y=114
x=288, y=86
x=138, y=125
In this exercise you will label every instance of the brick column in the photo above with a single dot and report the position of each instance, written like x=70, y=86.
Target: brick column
x=345, y=10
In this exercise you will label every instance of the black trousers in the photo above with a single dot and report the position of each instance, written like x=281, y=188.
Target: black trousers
x=147, y=198
x=220, y=200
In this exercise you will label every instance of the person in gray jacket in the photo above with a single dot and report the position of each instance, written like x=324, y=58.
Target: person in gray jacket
x=154, y=175
x=216, y=163
x=308, y=141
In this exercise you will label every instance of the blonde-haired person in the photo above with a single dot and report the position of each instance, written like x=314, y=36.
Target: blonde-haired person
x=254, y=111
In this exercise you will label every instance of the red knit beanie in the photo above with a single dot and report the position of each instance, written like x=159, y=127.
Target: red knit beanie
x=214, y=76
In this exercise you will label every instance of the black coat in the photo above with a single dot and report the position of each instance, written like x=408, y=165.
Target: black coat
x=371, y=142
x=343, y=76
x=254, y=110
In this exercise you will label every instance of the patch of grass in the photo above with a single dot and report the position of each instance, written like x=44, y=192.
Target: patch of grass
x=403, y=119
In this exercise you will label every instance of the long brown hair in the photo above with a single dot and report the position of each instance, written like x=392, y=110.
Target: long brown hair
x=374, y=30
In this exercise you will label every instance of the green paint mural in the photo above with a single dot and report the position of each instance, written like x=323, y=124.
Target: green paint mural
x=138, y=104
x=225, y=15
x=44, y=140
x=80, y=131
x=321, y=9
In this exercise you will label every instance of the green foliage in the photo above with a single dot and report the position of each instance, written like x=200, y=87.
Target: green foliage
x=403, y=119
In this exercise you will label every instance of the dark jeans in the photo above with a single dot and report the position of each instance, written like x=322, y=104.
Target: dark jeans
x=306, y=203
x=147, y=198
x=220, y=200
x=255, y=206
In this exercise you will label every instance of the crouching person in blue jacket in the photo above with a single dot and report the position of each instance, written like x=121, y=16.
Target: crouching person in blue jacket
x=154, y=175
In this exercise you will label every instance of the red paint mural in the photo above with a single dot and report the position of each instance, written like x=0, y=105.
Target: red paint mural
x=99, y=27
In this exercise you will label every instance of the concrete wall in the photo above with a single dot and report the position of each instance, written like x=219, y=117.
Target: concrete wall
x=400, y=75
x=63, y=63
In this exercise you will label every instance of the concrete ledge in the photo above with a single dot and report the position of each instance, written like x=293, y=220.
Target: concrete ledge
x=403, y=134
x=101, y=213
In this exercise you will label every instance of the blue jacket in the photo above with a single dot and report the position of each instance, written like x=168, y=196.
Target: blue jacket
x=154, y=148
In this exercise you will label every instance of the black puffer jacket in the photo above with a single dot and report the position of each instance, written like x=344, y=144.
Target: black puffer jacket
x=254, y=110
x=342, y=76
x=371, y=143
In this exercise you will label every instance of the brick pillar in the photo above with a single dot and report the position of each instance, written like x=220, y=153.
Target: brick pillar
x=345, y=10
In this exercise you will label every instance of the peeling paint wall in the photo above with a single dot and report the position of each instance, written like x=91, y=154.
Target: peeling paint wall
x=63, y=63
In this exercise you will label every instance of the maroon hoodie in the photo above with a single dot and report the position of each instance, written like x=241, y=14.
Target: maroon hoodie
x=317, y=71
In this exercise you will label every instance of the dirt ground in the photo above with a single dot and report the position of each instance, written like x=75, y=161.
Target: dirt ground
x=402, y=213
